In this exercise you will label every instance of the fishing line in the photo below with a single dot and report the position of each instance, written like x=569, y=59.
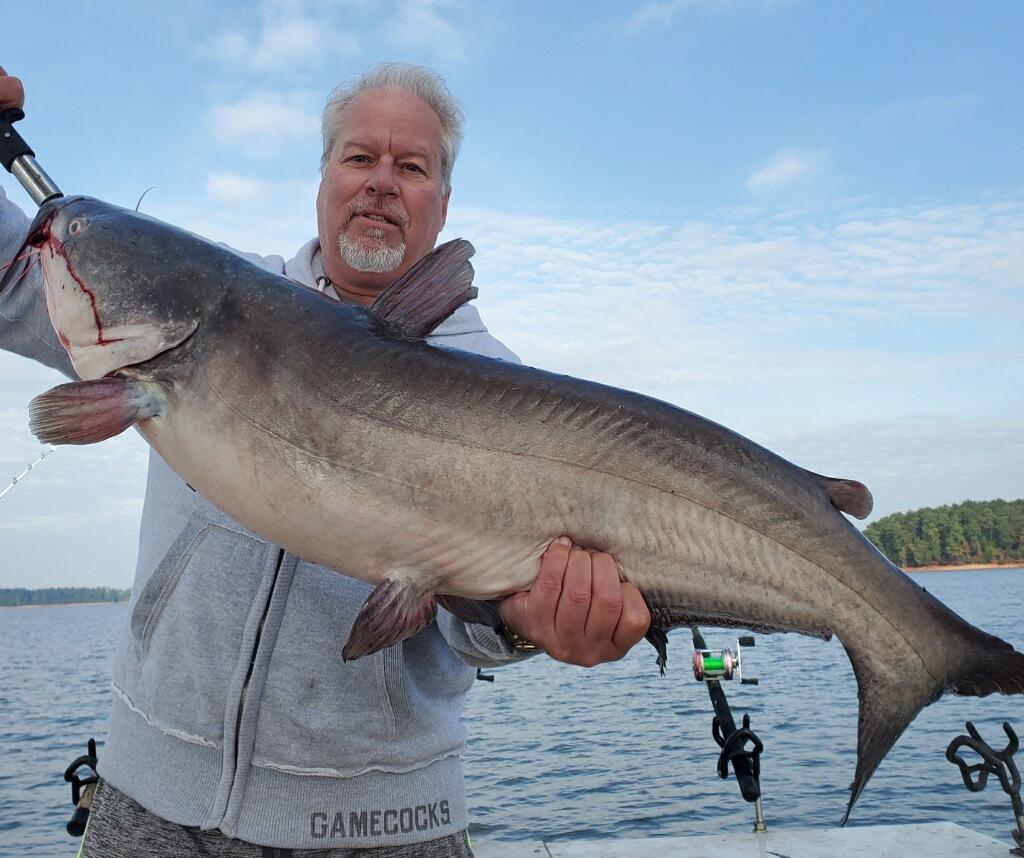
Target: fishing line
x=46, y=452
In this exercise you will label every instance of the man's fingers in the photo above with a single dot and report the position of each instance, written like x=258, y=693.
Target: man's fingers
x=574, y=603
x=12, y=93
x=634, y=620
x=578, y=609
x=532, y=613
x=606, y=598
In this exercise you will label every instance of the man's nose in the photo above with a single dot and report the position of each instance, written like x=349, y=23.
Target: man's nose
x=381, y=181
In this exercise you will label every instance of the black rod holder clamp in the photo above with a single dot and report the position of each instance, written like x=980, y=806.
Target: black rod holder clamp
x=993, y=762
x=82, y=789
x=748, y=772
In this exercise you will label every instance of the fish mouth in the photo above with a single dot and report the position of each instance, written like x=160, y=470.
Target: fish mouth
x=40, y=230
x=40, y=233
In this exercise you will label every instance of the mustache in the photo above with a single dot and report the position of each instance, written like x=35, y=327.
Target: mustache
x=392, y=211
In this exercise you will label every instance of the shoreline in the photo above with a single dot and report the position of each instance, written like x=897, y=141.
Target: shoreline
x=963, y=567
x=934, y=567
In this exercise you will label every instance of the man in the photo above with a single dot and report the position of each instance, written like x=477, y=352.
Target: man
x=234, y=721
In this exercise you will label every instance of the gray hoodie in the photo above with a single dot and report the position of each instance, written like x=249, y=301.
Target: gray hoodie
x=232, y=707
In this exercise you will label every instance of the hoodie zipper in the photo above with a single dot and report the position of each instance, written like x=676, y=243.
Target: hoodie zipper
x=252, y=658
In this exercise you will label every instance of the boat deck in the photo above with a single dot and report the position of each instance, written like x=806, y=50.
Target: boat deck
x=936, y=840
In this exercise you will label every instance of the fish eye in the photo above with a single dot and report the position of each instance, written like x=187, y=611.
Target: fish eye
x=78, y=224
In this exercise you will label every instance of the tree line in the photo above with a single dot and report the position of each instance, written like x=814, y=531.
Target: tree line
x=61, y=595
x=968, y=532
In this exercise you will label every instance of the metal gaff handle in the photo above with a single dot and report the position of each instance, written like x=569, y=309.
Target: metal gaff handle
x=19, y=160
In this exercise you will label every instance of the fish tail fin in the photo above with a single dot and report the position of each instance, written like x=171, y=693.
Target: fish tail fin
x=890, y=694
x=894, y=691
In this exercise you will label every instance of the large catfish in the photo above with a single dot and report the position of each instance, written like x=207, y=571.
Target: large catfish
x=441, y=476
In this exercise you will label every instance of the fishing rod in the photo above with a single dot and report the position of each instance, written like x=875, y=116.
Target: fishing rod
x=20, y=161
x=711, y=667
x=49, y=449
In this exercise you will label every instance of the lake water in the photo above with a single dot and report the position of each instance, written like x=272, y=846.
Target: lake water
x=558, y=752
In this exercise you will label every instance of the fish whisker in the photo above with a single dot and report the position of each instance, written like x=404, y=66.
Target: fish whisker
x=139, y=203
x=26, y=255
x=4, y=285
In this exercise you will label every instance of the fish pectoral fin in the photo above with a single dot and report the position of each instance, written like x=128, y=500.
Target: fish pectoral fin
x=396, y=609
x=486, y=613
x=847, y=496
x=428, y=293
x=84, y=412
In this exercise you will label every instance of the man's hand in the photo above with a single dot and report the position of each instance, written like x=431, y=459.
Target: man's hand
x=578, y=610
x=12, y=93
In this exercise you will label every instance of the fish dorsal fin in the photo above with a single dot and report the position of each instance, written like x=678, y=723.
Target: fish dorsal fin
x=848, y=496
x=428, y=293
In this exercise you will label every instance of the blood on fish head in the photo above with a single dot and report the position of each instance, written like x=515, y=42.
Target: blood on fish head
x=116, y=291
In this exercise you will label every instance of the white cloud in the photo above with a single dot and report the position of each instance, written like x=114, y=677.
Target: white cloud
x=234, y=189
x=252, y=214
x=296, y=37
x=285, y=40
x=656, y=14
x=786, y=168
x=915, y=461
x=661, y=14
x=264, y=123
x=424, y=26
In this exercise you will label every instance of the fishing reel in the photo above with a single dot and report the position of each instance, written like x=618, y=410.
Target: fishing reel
x=723, y=664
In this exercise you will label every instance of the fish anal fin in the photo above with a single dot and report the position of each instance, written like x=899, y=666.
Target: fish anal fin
x=84, y=412
x=486, y=613
x=847, y=496
x=657, y=637
x=428, y=293
x=396, y=609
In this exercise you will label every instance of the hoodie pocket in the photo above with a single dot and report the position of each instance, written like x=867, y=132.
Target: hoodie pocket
x=157, y=592
x=188, y=628
x=318, y=713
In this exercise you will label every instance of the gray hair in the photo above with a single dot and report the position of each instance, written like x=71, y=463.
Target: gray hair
x=423, y=83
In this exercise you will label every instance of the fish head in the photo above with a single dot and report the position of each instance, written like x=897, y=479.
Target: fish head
x=121, y=287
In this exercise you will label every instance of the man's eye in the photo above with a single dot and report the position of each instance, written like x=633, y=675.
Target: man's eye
x=359, y=159
x=414, y=168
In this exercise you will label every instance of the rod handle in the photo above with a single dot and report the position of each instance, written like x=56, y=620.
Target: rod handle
x=12, y=145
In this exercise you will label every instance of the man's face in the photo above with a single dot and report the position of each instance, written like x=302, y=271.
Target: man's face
x=381, y=204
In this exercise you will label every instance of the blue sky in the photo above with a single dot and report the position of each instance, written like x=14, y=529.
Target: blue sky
x=804, y=220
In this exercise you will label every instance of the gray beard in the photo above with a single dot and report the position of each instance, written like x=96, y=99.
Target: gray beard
x=377, y=259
